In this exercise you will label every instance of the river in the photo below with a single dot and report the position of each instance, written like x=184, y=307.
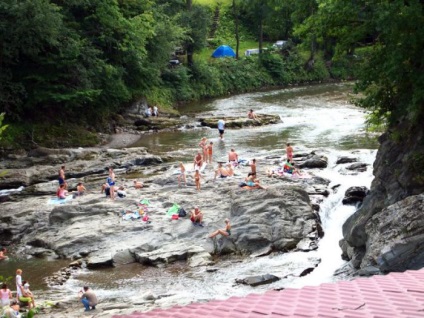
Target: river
x=318, y=117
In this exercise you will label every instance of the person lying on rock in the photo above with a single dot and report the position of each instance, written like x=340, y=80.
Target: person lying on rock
x=224, y=232
x=196, y=216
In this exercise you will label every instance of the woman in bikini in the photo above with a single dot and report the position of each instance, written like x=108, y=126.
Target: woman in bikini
x=197, y=177
x=204, y=145
x=223, y=232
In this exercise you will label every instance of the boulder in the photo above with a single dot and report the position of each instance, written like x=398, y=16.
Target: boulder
x=171, y=253
x=278, y=218
x=361, y=167
x=238, y=122
x=355, y=194
x=258, y=280
x=313, y=161
x=346, y=159
x=99, y=260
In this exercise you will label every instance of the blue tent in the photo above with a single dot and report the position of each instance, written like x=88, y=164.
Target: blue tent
x=224, y=51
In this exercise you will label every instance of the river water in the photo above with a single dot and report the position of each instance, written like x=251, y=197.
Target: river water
x=318, y=117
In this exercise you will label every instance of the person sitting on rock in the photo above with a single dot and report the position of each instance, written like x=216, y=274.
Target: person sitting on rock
x=233, y=157
x=288, y=167
x=88, y=298
x=223, y=172
x=196, y=216
x=223, y=232
x=27, y=295
x=13, y=310
x=252, y=115
x=80, y=190
x=138, y=184
x=254, y=183
x=5, y=295
x=61, y=192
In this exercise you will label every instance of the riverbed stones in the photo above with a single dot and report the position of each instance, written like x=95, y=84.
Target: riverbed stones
x=346, y=159
x=239, y=122
x=258, y=280
x=312, y=161
x=358, y=166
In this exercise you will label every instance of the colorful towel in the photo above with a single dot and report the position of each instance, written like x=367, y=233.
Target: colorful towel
x=59, y=201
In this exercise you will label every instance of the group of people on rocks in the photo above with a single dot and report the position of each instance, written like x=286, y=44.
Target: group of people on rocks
x=151, y=111
x=11, y=305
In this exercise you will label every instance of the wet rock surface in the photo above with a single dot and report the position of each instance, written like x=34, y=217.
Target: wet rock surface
x=239, y=122
x=384, y=234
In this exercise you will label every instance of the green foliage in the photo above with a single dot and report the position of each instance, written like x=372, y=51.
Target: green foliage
x=2, y=126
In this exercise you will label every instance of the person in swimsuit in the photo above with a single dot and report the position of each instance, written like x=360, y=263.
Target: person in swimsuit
x=252, y=115
x=210, y=151
x=233, y=157
x=197, y=177
x=252, y=168
x=111, y=182
x=222, y=172
x=254, y=183
x=198, y=162
x=204, y=145
x=196, y=216
x=288, y=167
x=182, y=175
x=223, y=232
x=221, y=128
x=5, y=295
x=62, y=177
x=61, y=193
x=289, y=151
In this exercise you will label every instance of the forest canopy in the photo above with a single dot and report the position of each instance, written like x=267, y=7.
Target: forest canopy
x=82, y=61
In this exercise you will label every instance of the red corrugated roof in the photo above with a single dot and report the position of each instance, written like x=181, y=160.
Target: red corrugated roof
x=393, y=295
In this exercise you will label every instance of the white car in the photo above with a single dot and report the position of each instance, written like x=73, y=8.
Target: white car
x=280, y=44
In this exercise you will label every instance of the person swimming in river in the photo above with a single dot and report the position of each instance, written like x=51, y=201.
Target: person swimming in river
x=224, y=232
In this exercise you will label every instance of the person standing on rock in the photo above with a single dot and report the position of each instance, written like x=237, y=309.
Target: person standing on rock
x=223, y=232
x=252, y=168
x=289, y=151
x=209, y=152
x=204, y=145
x=18, y=281
x=197, y=177
x=111, y=182
x=233, y=157
x=88, y=298
x=62, y=177
x=182, y=175
x=155, y=111
x=221, y=128
x=198, y=162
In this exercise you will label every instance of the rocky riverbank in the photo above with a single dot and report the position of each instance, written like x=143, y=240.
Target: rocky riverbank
x=91, y=229
x=386, y=233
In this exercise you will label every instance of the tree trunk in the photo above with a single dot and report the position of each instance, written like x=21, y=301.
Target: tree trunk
x=261, y=35
x=236, y=20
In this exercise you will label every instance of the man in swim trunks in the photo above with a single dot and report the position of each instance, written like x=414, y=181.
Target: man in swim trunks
x=221, y=127
x=198, y=162
x=196, y=216
x=221, y=172
x=233, y=157
x=289, y=151
x=62, y=177
x=252, y=168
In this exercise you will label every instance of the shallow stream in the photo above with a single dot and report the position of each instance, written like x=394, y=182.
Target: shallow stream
x=318, y=118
